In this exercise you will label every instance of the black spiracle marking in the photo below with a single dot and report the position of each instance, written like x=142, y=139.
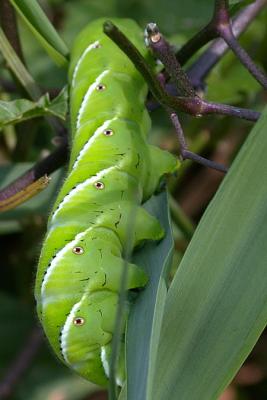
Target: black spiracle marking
x=117, y=223
x=60, y=341
x=138, y=161
x=84, y=280
x=105, y=280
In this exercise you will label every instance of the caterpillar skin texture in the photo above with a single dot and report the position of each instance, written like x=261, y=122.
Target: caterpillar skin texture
x=112, y=171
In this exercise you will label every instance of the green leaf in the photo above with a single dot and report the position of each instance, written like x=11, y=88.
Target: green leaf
x=42, y=29
x=13, y=112
x=216, y=307
x=145, y=318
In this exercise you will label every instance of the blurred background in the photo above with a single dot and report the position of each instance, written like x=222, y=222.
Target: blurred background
x=22, y=229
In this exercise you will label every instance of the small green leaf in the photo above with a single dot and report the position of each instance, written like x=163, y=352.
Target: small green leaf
x=13, y=112
x=43, y=30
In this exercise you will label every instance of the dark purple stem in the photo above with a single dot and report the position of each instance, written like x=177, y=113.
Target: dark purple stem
x=21, y=363
x=227, y=34
x=190, y=105
x=200, y=69
x=189, y=155
x=221, y=25
x=224, y=109
x=163, y=51
x=208, y=33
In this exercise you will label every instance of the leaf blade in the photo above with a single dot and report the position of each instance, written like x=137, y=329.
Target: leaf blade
x=16, y=111
x=216, y=307
x=146, y=314
x=34, y=17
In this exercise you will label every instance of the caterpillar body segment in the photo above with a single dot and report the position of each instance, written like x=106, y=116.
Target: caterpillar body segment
x=112, y=171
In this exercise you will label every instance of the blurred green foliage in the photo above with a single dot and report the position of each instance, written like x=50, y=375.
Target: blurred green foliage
x=22, y=229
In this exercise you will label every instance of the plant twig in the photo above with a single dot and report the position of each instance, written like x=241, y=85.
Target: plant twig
x=188, y=155
x=223, y=27
x=25, y=194
x=200, y=69
x=44, y=167
x=21, y=364
x=162, y=51
x=191, y=105
x=195, y=43
x=204, y=36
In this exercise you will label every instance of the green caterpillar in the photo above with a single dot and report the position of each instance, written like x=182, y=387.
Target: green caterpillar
x=112, y=171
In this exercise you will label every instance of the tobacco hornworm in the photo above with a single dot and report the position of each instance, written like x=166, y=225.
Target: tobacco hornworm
x=112, y=171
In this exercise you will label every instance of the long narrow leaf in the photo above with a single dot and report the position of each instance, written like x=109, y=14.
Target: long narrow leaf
x=42, y=29
x=144, y=323
x=18, y=68
x=216, y=307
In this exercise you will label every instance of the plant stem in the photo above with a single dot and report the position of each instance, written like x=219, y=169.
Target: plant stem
x=21, y=363
x=200, y=69
x=194, y=44
x=44, y=167
x=163, y=51
x=227, y=34
x=188, y=155
x=190, y=105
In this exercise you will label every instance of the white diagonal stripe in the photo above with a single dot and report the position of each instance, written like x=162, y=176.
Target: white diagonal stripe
x=87, y=50
x=81, y=186
x=67, y=325
x=86, y=98
x=105, y=361
x=87, y=145
x=68, y=247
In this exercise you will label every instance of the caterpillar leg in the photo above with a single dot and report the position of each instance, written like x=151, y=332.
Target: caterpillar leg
x=106, y=353
x=161, y=162
x=108, y=275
